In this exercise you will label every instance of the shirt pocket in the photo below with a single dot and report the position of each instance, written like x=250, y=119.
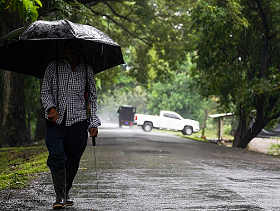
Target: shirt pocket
x=78, y=81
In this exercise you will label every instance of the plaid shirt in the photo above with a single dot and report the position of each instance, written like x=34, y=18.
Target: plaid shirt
x=71, y=93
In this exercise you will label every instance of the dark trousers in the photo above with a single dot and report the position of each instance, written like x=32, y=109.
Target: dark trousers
x=66, y=145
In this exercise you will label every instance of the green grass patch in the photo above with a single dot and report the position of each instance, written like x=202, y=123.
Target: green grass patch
x=274, y=150
x=20, y=164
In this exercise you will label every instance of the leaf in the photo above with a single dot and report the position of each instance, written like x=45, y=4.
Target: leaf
x=39, y=3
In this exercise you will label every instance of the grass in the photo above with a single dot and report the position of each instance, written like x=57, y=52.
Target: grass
x=20, y=164
x=274, y=150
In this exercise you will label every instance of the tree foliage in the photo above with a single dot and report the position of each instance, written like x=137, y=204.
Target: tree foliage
x=27, y=9
x=13, y=119
x=177, y=95
x=152, y=30
x=152, y=34
x=144, y=29
x=237, y=60
x=236, y=45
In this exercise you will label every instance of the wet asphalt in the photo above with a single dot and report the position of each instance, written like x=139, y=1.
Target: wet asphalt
x=130, y=169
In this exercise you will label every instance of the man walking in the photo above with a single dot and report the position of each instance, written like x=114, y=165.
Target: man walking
x=63, y=98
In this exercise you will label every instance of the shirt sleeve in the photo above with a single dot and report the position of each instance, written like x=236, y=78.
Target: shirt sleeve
x=47, y=89
x=94, y=119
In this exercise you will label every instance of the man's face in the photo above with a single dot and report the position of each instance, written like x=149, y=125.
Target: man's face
x=72, y=52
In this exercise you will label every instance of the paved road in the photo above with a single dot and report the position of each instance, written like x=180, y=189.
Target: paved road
x=135, y=170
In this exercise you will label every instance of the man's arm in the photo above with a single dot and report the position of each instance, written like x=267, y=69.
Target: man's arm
x=94, y=119
x=47, y=93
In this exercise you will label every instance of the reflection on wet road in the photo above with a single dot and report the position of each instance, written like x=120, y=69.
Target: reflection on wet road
x=130, y=169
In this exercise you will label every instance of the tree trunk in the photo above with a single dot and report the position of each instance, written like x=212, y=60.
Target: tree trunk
x=243, y=137
x=1, y=100
x=206, y=113
x=28, y=122
x=244, y=133
x=40, y=131
x=14, y=131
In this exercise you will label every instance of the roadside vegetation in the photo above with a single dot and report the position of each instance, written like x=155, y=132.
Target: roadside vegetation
x=195, y=58
x=210, y=133
x=274, y=149
x=192, y=57
x=20, y=164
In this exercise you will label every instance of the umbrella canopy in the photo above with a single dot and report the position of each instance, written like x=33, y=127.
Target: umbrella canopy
x=29, y=50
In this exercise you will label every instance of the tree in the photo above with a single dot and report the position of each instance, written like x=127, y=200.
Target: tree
x=27, y=9
x=180, y=95
x=177, y=95
x=151, y=33
x=35, y=114
x=14, y=130
x=151, y=29
x=237, y=60
x=13, y=120
x=124, y=91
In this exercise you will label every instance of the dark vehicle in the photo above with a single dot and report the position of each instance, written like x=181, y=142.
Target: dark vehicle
x=126, y=115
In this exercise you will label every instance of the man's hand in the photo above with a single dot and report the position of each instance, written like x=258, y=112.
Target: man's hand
x=52, y=115
x=93, y=131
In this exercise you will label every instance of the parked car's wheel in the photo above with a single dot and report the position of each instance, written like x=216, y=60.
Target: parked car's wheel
x=147, y=126
x=188, y=130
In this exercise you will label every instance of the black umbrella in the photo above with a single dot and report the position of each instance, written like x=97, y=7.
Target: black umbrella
x=29, y=50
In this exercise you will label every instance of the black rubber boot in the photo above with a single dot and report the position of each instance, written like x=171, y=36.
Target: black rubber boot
x=69, y=181
x=69, y=202
x=59, y=182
